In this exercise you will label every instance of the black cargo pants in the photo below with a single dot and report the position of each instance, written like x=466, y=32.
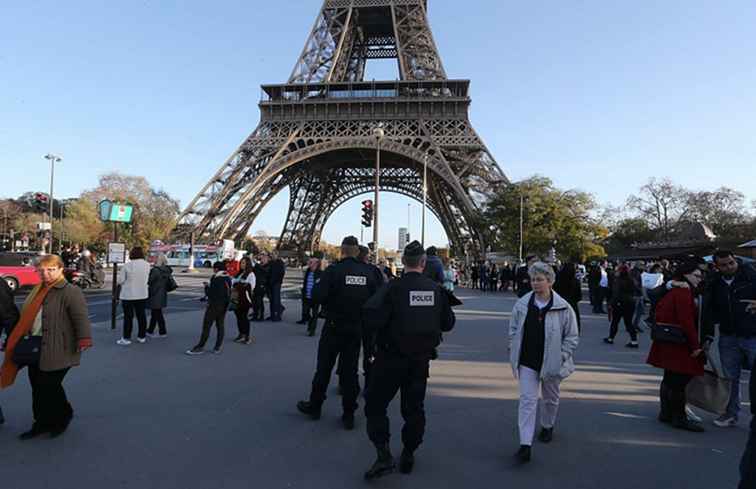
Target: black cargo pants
x=345, y=346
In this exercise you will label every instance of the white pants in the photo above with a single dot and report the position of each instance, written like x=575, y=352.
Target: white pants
x=526, y=413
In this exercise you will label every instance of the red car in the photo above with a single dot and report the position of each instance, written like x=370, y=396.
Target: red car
x=20, y=276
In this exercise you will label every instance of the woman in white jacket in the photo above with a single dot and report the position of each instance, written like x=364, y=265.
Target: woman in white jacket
x=134, y=293
x=543, y=336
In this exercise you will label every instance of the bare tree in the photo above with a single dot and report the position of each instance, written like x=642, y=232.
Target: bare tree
x=662, y=204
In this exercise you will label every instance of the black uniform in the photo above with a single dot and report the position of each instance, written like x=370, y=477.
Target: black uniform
x=343, y=289
x=408, y=317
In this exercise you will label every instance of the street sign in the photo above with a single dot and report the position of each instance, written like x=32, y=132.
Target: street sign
x=114, y=212
x=44, y=226
x=116, y=253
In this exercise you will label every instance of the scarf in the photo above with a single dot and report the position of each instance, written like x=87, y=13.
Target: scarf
x=29, y=311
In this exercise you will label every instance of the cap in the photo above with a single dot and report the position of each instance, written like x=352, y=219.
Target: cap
x=350, y=241
x=414, y=249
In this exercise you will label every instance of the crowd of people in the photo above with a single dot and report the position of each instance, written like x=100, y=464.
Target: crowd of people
x=698, y=311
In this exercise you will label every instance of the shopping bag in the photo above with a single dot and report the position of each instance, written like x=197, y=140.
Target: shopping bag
x=709, y=392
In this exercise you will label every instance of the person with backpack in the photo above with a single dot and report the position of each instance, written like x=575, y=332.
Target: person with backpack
x=160, y=282
x=218, y=293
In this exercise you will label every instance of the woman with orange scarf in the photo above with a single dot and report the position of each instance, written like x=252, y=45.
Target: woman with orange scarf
x=57, y=312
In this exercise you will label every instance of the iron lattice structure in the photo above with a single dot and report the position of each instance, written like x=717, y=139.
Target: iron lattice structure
x=316, y=134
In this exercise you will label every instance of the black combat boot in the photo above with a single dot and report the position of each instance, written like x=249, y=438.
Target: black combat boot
x=310, y=409
x=523, y=454
x=384, y=465
x=407, y=461
x=546, y=435
x=348, y=420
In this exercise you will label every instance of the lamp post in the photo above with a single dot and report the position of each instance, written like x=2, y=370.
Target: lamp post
x=379, y=133
x=425, y=197
x=53, y=159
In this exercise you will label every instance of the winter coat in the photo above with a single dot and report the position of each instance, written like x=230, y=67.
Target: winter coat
x=561, y=337
x=158, y=282
x=277, y=272
x=218, y=291
x=678, y=308
x=133, y=280
x=8, y=310
x=724, y=306
x=261, y=278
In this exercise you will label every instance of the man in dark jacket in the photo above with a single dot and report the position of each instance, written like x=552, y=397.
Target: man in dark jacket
x=8, y=318
x=310, y=309
x=434, y=268
x=408, y=317
x=726, y=304
x=262, y=272
x=522, y=278
x=343, y=289
x=748, y=463
x=218, y=293
x=277, y=272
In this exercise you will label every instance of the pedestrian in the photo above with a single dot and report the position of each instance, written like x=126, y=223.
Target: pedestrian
x=160, y=282
x=650, y=281
x=49, y=337
x=623, y=306
x=569, y=287
x=275, y=281
x=218, y=293
x=434, y=268
x=728, y=294
x=522, y=278
x=407, y=318
x=262, y=271
x=241, y=300
x=309, y=308
x=449, y=275
x=8, y=318
x=543, y=337
x=342, y=290
x=474, y=273
x=682, y=357
x=636, y=274
x=134, y=294
x=748, y=462
x=493, y=278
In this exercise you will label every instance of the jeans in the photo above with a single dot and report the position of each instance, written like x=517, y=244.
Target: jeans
x=623, y=310
x=392, y=373
x=130, y=309
x=734, y=352
x=157, y=319
x=49, y=403
x=640, y=310
x=529, y=383
x=213, y=314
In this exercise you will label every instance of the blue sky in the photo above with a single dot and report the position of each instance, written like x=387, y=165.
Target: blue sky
x=596, y=95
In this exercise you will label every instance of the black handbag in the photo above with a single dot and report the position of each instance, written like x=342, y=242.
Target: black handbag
x=668, y=333
x=27, y=351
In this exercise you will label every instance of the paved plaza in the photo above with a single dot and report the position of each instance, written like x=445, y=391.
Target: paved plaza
x=149, y=416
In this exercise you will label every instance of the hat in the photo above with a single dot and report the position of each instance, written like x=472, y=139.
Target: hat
x=431, y=251
x=350, y=241
x=414, y=249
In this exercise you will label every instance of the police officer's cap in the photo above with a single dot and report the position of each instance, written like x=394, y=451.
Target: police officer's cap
x=350, y=241
x=414, y=249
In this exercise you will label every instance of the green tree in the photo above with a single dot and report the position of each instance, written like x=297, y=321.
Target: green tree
x=82, y=225
x=550, y=216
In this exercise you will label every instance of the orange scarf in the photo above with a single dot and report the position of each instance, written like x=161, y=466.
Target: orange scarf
x=31, y=308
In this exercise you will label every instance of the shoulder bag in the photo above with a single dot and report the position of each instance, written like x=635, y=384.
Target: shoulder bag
x=668, y=333
x=27, y=351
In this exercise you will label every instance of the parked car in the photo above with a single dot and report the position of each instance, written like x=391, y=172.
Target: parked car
x=20, y=276
x=18, y=258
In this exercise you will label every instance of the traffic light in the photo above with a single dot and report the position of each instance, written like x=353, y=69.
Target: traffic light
x=367, y=213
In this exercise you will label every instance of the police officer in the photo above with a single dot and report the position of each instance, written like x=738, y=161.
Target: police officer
x=408, y=317
x=343, y=289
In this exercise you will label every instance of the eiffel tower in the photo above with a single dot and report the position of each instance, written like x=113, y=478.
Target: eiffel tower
x=316, y=134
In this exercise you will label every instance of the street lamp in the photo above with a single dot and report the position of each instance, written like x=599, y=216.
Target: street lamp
x=425, y=197
x=379, y=133
x=53, y=159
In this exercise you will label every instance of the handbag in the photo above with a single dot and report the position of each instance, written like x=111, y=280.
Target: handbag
x=27, y=351
x=709, y=392
x=668, y=333
x=171, y=285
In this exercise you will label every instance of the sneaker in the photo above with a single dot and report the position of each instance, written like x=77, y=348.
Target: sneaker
x=239, y=339
x=195, y=351
x=162, y=335
x=609, y=341
x=726, y=421
x=632, y=344
x=217, y=351
x=123, y=342
x=150, y=335
x=308, y=408
x=692, y=415
x=546, y=435
x=523, y=454
x=142, y=340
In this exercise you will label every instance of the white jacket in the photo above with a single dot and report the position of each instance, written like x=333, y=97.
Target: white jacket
x=133, y=279
x=561, y=337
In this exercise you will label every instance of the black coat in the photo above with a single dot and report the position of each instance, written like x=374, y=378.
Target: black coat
x=277, y=272
x=158, y=282
x=343, y=289
x=8, y=310
x=307, y=273
x=262, y=272
x=724, y=306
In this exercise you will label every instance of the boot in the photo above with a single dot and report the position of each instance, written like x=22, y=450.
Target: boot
x=34, y=432
x=665, y=416
x=679, y=417
x=406, y=461
x=384, y=464
x=348, y=420
x=310, y=409
x=523, y=454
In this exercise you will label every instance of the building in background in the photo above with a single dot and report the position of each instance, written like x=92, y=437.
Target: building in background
x=404, y=239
